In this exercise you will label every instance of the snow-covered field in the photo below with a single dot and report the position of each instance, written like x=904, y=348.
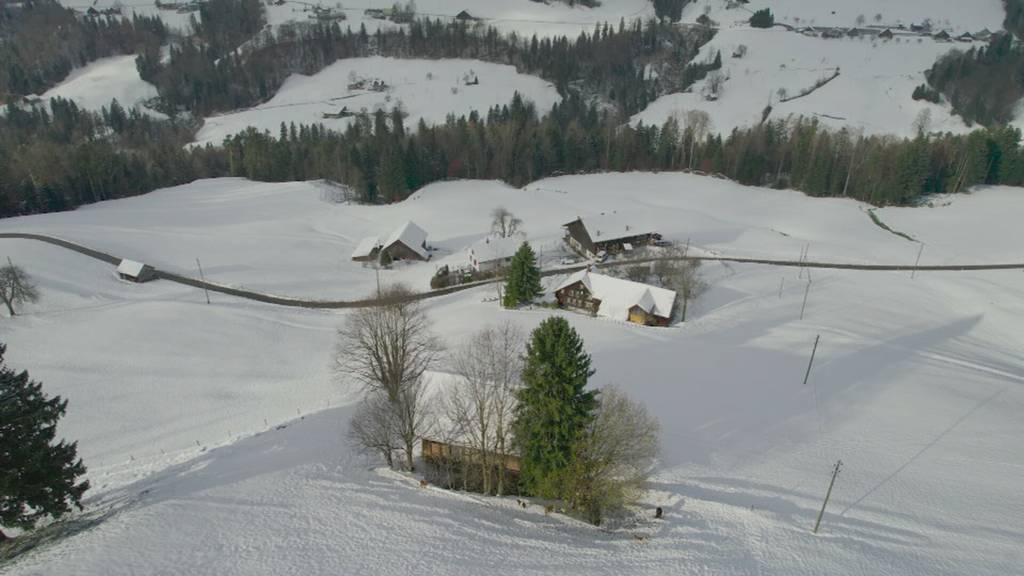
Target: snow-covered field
x=954, y=15
x=872, y=92
x=425, y=89
x=94, y=85
x=524, y=17
x=918, y=387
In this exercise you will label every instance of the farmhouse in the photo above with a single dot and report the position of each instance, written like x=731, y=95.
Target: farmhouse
x=464, y=16
x=943, y=36
x=135, y=271
x=493, y=252
x=886, y=34
x=616, y=298
x=367, y=250
x=407, y=242
x=606, y=233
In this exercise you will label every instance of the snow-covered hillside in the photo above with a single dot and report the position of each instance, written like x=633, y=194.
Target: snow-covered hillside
x=872, y=92
x=93, y=86
x=916, y=387
x=425, y=89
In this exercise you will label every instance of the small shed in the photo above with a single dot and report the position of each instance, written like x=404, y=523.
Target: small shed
x=367, y=249
x=135, y=271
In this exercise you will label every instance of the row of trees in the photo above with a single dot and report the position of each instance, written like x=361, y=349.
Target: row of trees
x=42, y=41
x=590, y=449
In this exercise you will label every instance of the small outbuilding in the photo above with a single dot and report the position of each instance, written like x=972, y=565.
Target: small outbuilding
x=407, y=242
x=135, y=271
x=465, y=16
x=616, y=298
x=886, y=34
x=367, y=250
x=608, y=233
x=943, y=36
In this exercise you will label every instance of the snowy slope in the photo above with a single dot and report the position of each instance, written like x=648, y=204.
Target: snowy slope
x=93, y=86
x=872, y=92
x=916, y=387
x=425, y=89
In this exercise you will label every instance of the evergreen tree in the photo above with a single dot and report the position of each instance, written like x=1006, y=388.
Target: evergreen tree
x=554, y=409
x=522, y=285
x=762, y=19
x=37, y=477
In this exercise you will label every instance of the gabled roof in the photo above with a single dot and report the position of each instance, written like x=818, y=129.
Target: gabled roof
x=130, y=268
x=618, y=296
x=412, y=236
x=495, y=247
x=613, y=226
x=366, y=247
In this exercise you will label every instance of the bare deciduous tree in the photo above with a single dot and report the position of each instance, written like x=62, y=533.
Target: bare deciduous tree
x=482, y=404
x=504, y=223
x=682, y=274
x=615, y=456
x=16, y=287
x=373, y=428
x=699, y=123
x=387, y=349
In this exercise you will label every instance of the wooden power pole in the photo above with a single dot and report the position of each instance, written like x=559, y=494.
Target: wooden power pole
x=811, y=363
x=835, y=472
x=203, y=278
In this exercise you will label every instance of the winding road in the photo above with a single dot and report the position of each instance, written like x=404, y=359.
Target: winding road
x=337, y=304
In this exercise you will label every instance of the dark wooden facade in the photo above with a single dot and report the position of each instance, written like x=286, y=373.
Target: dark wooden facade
x=577, y=296
x=399, y=251
x=583, y=242
x=439, y=451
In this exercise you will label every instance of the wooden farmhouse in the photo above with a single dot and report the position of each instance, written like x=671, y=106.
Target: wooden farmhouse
x=407, y=242
x=610, y=234
x=367, y=250
x=493, y=252
x=615, y=298
x=135, y=271
x=464, y=16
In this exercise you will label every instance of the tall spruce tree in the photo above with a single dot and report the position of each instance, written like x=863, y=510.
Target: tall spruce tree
x=522, y=284
x=554, y=409
x=38, y=478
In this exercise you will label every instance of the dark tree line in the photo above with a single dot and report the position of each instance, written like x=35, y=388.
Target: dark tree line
x=383, y=162
x=671, y=9
x=56, y=157
x=608, y=63
x=982, y=84
x=41, y=42
x=1014, y=21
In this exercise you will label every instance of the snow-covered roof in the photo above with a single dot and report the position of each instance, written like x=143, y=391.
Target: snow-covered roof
x=130, y=268
x=412, y=236
x=618, y=296
x=366, y=247
x=615, y=225
x=496, y=248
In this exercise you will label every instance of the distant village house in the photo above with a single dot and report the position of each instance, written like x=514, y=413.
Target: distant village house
x=615, y=298
x=493, y=252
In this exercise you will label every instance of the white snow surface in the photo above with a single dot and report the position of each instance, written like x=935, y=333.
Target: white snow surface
x=130, y=267
x=425, y=89
x=917, y=386
x=872, y=92
x=94, y=85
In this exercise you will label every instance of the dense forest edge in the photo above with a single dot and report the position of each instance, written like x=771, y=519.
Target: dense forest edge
x=55, y=156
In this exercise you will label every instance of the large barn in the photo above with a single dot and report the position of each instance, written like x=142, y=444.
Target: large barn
x=608, y=233
x=407, y=242
x=616, y=298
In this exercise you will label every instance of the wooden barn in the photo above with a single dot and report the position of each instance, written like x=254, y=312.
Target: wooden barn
x=465, y=16
x=135, y=271
x=616, y=298
x=407, y=242
x=608, y=233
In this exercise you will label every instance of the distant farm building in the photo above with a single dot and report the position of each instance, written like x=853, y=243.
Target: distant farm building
x=966, y=37
x=367, y=250
x=943, y=36
x=493, y=252
x=606, y=233
x=615, y=298
x=886, y=34
x=135, y=271
x=464, y=16
x=407, y=242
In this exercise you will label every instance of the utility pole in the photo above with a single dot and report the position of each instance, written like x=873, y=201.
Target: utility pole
x=809, y=364
x=203, y=278
x=806, y=292
x=835, y=472
x=782, y=282
x=916, y=262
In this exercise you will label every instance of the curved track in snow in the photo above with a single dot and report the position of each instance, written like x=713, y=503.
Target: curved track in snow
x=338, y=304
